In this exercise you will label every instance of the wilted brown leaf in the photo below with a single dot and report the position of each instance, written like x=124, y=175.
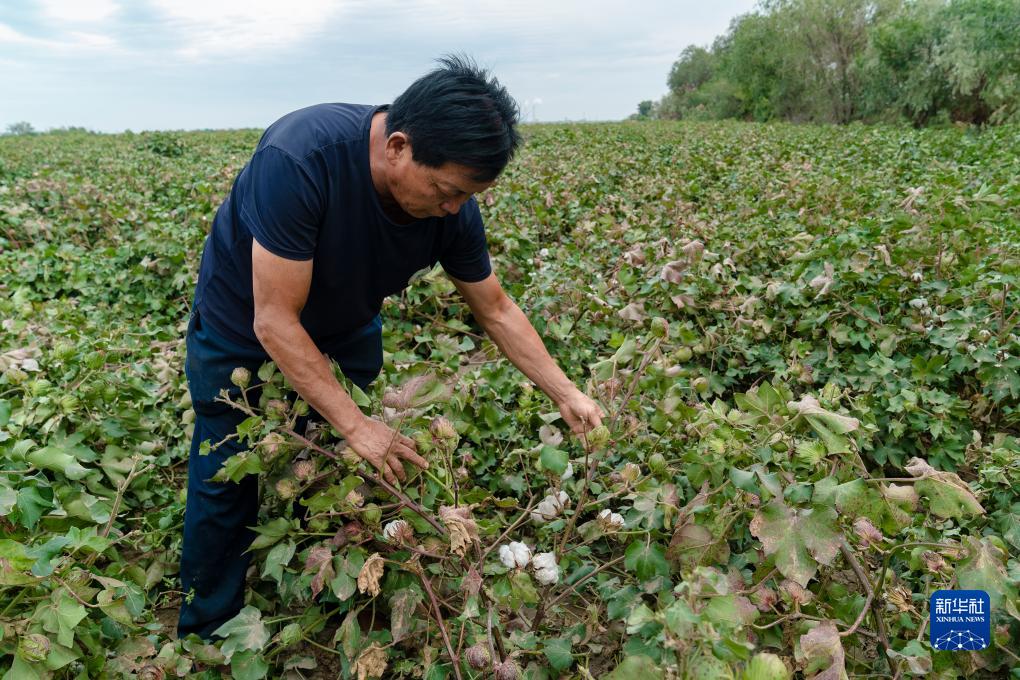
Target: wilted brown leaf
x=463, y=528
x=370, y=574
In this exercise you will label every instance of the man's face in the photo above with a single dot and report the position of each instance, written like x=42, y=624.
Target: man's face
x=422, y=191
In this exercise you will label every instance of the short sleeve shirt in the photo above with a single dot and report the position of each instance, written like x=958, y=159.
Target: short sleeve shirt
x=307, y=194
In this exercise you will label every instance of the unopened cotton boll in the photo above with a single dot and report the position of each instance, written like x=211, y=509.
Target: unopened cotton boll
x=546, y=570
x=398, y=531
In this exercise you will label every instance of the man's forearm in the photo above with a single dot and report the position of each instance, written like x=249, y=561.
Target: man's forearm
x=513, y=333
x=290, y=346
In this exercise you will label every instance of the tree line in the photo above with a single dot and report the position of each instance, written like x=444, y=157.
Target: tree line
x=837, y=61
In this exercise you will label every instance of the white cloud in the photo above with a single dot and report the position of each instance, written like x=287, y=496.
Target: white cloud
x=71, y=42
x=77, y=11
x=208, y=28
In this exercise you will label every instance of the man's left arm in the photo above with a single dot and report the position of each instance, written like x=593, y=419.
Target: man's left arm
x=509, y=328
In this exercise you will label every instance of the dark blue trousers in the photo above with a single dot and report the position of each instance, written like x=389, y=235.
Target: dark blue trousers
x=217, y=514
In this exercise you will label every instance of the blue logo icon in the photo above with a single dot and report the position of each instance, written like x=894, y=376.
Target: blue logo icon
x=960, y=620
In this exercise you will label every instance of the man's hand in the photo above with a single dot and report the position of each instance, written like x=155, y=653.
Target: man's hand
x=385, y=448
x=581, y=412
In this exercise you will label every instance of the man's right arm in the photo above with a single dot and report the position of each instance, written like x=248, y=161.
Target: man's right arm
x=281, y=288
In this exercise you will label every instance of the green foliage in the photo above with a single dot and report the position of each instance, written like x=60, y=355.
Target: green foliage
x=804, y=338
x=844, y=60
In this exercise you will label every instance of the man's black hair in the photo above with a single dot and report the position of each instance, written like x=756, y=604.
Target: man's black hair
x=459, y=114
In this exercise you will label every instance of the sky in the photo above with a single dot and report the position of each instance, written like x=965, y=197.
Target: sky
x=111, y=65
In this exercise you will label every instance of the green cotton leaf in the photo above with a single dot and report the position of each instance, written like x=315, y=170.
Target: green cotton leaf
x=349, y=635
x=278, y=558
x=916, y=656
x=626, y=352
x=266, y=371
x=248, y=665
x=55, y=460
x=61, y=617
x=554, y=460
x=860, y=499
x=5, y=412
x=765, y=666
x=522, y=588
x=984, y=568
x=735, y=610
x=270, y=534
x=402, y=612
x=829, y=426
x=45, y=554
x=25, y=670
x=246, y=631
x=646, y=560
x=799, y=539
x=238, y=466
x=14, y=563
x=636, y=667
x=114, y=607
x=947, y=494
x=557, y=651
x=8, y=499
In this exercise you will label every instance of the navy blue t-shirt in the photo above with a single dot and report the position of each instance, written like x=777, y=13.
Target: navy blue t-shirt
x=307, y=193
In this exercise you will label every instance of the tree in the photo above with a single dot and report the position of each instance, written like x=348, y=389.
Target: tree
x=644, y=109
x=20, y=128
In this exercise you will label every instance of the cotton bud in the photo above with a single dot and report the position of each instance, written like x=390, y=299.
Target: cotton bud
x=515, y=556
x=286, y=488
x=398, y=531
x=478, y=657
x=303, y=469
x=34, y=648
x=546, y=570
x=867, y=532
x=796, y=592
x=350, y=456
x=272, y=445
x=611, y=521
x=933, y=561
x=630, y=473
x=151, y=672
x=443, y=429
x=549, y=507
x=598, y=437
x=241, y=377
x=277, y=408
x=507, y=670
x=917, y=277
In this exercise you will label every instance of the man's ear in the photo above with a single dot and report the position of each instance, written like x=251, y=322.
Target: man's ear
x=397, y=144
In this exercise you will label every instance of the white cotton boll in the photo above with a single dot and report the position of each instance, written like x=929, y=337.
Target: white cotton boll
x=521, y=553
x=568, y=473
x=547, y=572
x=610, y=520
x=506, y=556
x=549, y=507
x=516, y=555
